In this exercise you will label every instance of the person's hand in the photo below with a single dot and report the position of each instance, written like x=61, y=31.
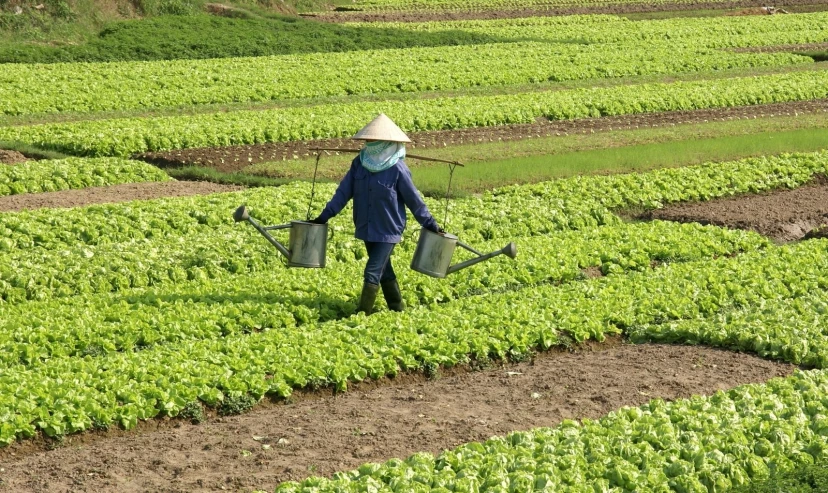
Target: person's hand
x=317, y=220
x=441, y=231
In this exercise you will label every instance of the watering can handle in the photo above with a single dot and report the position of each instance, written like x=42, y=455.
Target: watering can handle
x=280, y=226
x=330, y=233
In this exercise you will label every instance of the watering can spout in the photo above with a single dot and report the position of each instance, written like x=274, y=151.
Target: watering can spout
x=509, y=250
x=242, y=214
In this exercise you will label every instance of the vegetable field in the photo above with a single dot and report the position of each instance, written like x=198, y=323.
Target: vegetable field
x=135, y=311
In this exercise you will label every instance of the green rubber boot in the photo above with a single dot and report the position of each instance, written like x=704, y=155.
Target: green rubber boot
x=369, y=295
x=393, y=296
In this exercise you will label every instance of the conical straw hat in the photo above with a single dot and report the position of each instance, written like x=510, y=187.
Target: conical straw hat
x=382, y=128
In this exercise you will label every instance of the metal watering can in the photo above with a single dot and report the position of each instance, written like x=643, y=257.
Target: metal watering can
x=432, y=256
x=306, y=245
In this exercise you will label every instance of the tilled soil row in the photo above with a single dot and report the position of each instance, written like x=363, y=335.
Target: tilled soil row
x=321, y=434
x=235, y=158
x=785, y=215
x=110, y=194
x=619, y=8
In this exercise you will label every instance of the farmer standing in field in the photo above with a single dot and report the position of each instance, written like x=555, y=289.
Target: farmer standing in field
x=380, y=184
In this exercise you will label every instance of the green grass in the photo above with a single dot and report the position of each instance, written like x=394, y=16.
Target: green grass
x=810, y=478
x=14, y=120
x=198, y=173
x=199, y=35
x=818, y=56
x=605, y=152
x=479, y=176
x=32, y=152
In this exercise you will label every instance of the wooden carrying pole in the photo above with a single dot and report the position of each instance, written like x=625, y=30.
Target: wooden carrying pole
x=423, y=158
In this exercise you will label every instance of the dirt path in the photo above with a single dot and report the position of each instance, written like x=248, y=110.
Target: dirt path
x=786, y=215
x=618, y=9
x=235, y=158
x=110, y=194
x=319, y=435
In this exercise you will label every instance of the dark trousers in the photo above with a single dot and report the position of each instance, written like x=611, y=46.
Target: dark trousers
x=378, y=269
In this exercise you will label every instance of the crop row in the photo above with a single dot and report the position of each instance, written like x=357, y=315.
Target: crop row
x=74, y=173
x=482, y=5
x=112, y=248
x=125, y=136
x=790, y=330
x=701, y=444
x=65, y=394
x=711, y=32
x=518, y=211
x=139, y=318
x=131, y=85
x=40, y=274
x=695, y=445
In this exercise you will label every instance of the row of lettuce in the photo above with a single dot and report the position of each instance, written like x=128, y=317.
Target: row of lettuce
x=136, y=86
x=98, y=249
x=707, y=32
x=126, y=136
x=73, y=363
x=701, y=444
x=550, y=56
x=483, y=5
x=100, y=386
x=75, y=173
x=696, y=445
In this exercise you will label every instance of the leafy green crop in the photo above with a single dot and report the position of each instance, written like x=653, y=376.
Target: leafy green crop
x=699, y=445
x=244, y=356
x=530, y=210
x=74, y=173
x=45, y=254
x=126, y=136
x=65, y=87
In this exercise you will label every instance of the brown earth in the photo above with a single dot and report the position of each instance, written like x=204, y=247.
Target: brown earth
x=321, y=434
x=110, y=194
x=786, y=215
x=235, y=158
x=620, y=9
x=11, y=157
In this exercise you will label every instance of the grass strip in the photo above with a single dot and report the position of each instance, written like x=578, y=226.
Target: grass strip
x=200, y=173
x=548, y=158
x=31, y=151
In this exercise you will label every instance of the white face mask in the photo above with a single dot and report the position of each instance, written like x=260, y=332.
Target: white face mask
x=381, y=155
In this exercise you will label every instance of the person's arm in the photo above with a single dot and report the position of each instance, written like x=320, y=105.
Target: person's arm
x=344, y=193
x=412, y=200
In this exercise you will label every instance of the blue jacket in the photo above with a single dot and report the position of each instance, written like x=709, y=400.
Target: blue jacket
x=379, y=202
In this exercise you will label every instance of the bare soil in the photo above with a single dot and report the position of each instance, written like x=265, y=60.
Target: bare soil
x=235, y=158
x=785, y=215
x=110, y=194
x=11, y=157
x=320, y=434
x=343, y=15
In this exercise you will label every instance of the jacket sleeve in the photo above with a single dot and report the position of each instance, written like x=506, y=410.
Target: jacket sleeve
x=411, y=197
x=344, y=193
